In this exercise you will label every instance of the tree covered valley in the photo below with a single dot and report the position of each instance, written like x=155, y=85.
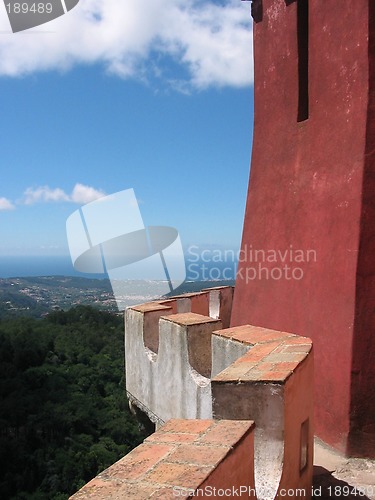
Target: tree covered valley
x=64, y=416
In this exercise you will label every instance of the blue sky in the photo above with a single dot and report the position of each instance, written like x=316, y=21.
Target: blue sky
x=154, y=96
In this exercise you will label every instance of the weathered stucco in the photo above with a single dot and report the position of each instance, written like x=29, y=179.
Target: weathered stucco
x=166, y=383
x=245, y=373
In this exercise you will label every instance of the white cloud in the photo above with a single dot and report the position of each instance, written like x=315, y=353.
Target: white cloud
x=211, y=40
x=44, y=194
x=5, y=204
x=85, y=194
x=81, y=194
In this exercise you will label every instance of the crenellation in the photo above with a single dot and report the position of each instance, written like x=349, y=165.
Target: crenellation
x=202, y=370
x=151, y=327
x=220, y=303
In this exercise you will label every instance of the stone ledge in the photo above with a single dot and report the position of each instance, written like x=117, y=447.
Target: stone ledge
x=252, y=335
x=272, y=358
x=166, y=462
x=214, y=302
x=151, y=306
x=186, y=319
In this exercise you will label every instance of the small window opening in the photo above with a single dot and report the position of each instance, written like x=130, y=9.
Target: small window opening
x=303, y=59
x=257, y=10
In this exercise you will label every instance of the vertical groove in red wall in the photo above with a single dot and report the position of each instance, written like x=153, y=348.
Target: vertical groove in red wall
x=303, y=59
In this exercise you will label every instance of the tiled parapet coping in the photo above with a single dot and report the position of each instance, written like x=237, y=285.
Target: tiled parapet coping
x=184, y=459
x=214, y=302
x=181, y=363
x=273, y=356
x=273, y=385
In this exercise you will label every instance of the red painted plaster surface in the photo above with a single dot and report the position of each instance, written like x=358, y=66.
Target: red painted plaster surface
x=312, y=187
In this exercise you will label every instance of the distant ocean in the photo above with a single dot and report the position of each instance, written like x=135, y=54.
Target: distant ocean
x=22, y=266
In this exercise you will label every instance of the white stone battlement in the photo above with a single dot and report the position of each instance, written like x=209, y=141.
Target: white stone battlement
x=182, y=363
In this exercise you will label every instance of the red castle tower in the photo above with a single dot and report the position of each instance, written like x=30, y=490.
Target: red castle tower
x=308, y=249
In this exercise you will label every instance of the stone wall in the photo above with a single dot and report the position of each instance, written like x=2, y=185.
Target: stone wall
x=195, y=369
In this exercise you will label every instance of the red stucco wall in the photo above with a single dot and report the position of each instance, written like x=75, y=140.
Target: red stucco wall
x=312, y=187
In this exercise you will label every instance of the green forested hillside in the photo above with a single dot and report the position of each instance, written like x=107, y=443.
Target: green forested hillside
x=64, y=415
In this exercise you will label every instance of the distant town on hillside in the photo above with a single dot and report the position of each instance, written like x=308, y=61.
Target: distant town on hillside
x=37, y=296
